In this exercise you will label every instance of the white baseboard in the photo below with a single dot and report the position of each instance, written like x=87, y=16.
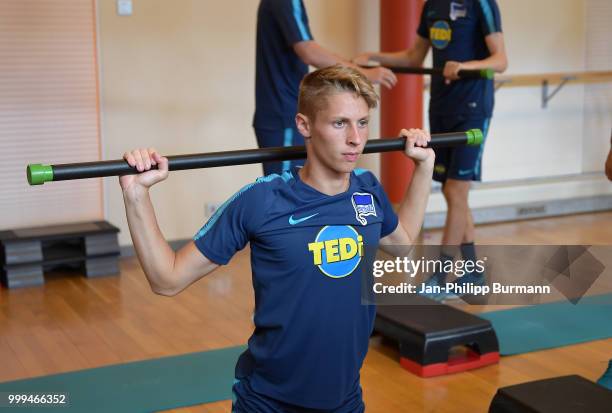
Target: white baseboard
x=512, y=201
x=529, y=198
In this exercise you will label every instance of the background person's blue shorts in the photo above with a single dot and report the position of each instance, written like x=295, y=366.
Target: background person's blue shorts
x=462, y=162
x=269, y=138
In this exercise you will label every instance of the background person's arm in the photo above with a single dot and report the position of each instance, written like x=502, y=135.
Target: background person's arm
x=609, y=161
x=412, y=57
x=498, y=60
x=313, y=54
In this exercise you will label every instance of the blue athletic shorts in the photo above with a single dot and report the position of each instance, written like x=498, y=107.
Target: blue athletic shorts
x=246, y=400
x=269, y=138
x=462, y=162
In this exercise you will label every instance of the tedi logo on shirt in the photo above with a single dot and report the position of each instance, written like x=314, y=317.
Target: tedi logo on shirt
x=363, y=204
x=440, y=34
x=337, y=250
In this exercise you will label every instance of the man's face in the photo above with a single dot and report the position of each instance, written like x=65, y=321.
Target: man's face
x=338, y=133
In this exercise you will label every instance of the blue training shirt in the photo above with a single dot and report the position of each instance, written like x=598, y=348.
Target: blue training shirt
x=457, y=30
x=278, y=69
x=307, y=257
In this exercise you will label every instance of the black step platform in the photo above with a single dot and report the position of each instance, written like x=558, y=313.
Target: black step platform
x=567, y=394
x=427, y=332
x=90, y=247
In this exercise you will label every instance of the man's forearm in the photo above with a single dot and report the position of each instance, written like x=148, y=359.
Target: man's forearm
x=497, y=62
x=320, y=57
x=412, y=209
x=155, y=255
x=315, y=55
x=404, y=58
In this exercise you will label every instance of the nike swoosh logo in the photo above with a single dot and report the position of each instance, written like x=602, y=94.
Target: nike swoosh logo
x=464, y=171
x=297, y=221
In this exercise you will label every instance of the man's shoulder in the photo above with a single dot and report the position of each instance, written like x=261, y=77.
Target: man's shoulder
x=367, y=181
x=259, y=193
x=269, y=183
x=365, y=177
x=275, y=179
x=262, y=188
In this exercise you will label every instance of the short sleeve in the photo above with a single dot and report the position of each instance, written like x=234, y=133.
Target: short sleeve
x=292, y=19
x=489, y=16
x=390, y=220
x=231, y=226
x=422, y=29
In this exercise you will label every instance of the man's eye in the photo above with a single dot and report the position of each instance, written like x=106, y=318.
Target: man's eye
x=338, y=123
x=363, y=123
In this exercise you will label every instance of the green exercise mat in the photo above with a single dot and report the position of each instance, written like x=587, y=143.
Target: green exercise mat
x=543, y=326
x=205, y=377
x=143, y=386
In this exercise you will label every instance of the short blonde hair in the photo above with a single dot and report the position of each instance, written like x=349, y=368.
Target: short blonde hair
x=318, y=85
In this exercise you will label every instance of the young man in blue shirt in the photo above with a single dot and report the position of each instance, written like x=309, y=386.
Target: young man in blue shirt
x=463, y=34
x=307, y=229
x=284, y=50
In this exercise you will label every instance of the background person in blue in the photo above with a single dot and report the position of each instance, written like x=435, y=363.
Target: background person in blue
x=463, y=34
x=307, y=230
x=285, y=47
x=608, y=165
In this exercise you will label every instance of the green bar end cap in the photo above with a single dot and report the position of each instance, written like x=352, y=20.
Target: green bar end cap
x=39, y=174
x=474, y=137
x=487, y=73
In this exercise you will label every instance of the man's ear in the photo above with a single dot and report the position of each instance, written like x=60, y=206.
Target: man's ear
x=303, y=125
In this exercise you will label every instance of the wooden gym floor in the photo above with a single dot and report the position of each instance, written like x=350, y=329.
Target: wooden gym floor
x=73, y=323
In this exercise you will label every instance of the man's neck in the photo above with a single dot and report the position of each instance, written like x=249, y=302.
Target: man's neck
x=324, y=179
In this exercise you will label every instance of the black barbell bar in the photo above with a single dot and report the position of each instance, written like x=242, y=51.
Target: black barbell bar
x=38, y=174
x=463, y=74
